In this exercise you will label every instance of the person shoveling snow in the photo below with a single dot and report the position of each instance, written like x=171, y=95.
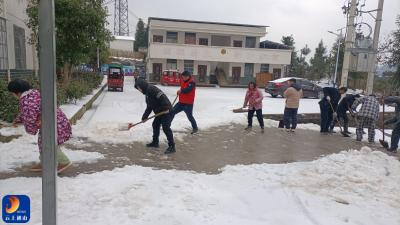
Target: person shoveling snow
x=30, y=117
x=157, y=102
x=394, y=143
x=367, y=116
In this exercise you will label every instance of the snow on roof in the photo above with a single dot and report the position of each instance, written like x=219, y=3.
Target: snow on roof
x=127, y=38
x=285, y=79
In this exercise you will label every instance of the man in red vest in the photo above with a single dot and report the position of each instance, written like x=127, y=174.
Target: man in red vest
x=186, y=95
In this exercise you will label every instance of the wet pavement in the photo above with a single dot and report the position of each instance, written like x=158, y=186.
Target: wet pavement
x=210, y=150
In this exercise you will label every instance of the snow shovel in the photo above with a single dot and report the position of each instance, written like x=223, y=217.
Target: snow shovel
x=340, y=125
x=384, y=143
x=173, y=103
x=240, y=110
x=128, y=126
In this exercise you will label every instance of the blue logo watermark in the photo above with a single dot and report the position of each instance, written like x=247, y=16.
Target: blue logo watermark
x=16, y=209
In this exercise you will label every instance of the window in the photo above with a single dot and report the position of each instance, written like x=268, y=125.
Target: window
x=220, y=40
x=3, y=45
x=264, y=68
x=172, y=37
x=172, y=64
x=19, y=47
x=276, y=73
x=250, y=42
x=158, y=38
x=203, y=41
x=238, y=44
x=248, y=69
x=190, y=38
x=188, y=66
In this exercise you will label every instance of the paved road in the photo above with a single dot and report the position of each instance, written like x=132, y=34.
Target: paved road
x=213, y=149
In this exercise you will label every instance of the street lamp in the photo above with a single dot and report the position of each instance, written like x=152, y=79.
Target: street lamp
x=337, y=53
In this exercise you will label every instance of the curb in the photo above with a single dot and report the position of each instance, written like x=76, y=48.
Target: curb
x=78, y=115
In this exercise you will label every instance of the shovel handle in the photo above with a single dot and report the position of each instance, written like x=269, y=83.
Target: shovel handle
x=151, y=117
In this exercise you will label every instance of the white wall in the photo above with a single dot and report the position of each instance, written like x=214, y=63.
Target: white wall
x=211, y=53
x=15, y=15
x=124, y=45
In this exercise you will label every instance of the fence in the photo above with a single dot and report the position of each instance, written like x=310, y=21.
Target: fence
x=8, y=75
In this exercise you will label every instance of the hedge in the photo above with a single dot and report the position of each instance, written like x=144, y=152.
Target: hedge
x=80, y=85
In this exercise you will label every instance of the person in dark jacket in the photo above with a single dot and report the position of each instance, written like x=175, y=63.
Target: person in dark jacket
x=394, y=143
x=157, y=102
x=186, y=95
x=344, y=106
x=328, y=106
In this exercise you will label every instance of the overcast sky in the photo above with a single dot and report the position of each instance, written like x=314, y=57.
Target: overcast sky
x=307, y=20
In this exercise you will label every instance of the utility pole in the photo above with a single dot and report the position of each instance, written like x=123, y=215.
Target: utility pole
x=98, y=59
x=339, y=37
x=372, y=56
x=349, y=42
x=47, y=68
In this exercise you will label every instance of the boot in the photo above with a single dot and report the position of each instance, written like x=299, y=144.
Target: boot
x=153, y=144
x=170, y=149
x=248, y=128
x=262, y=130
x=346, y=129
x=393, y=150
x=195, y=130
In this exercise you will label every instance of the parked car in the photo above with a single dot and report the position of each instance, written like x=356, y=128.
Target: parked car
x=278, y=87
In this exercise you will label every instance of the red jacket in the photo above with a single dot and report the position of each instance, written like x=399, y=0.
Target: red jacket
x=188, y=92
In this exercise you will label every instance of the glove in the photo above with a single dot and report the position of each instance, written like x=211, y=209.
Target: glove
x=334, y=115
x=328, y=98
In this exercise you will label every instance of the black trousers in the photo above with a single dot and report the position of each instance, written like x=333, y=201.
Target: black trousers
x=290, y=118
x=326, y=119
x=165, y=122
x=188, y=109
x=394, y=143
x=250, y=116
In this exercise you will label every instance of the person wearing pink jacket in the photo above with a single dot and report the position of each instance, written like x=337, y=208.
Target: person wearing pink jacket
x=30, y=116
x=254, y=99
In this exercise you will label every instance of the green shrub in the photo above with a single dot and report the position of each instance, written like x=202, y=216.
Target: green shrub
x=80, y=85
x=9, y=104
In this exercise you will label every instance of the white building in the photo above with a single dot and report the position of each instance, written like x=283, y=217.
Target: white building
x=122, y=43
x=230, y=52
x=15, y=51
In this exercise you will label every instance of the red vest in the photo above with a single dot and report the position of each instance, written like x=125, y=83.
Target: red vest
x=187, y=98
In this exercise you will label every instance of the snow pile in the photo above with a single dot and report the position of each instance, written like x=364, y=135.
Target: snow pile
x=352, y=176
x=24, y=150
x=295, y=193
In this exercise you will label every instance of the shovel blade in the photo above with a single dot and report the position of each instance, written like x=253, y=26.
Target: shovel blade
x=344, y=134
x=385, y=144
x=123, y=127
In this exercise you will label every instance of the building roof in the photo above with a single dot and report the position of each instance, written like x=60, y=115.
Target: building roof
x=206, y=22
x=273, y=45
x=127, y=38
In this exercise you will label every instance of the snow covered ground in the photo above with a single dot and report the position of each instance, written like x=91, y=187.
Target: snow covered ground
x=352, y=187
x=24, y=150
x=213, y=107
